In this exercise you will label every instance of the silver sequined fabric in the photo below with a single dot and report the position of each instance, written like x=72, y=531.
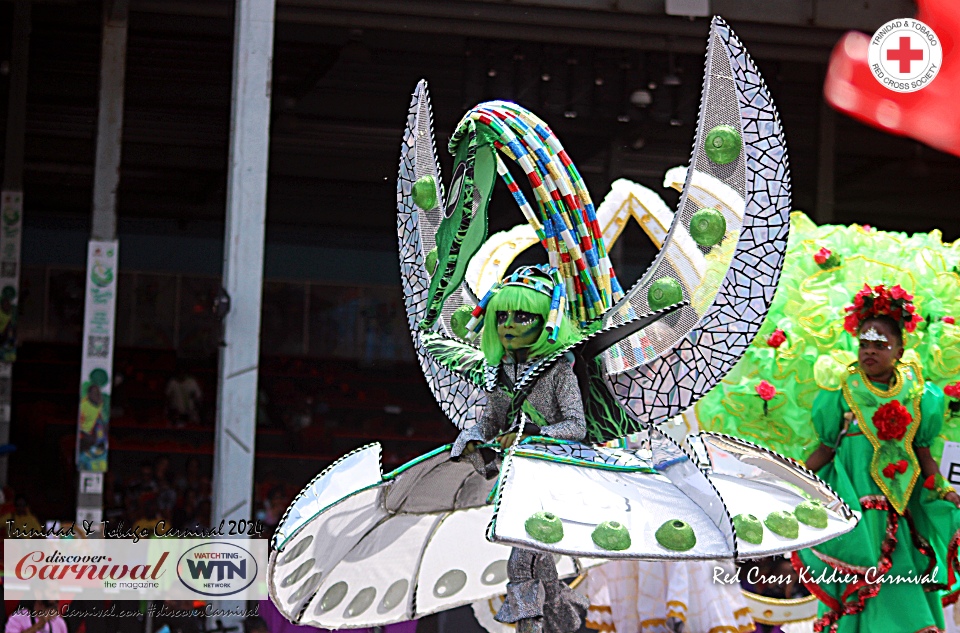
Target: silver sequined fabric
x=537, y=600
x=555, y=395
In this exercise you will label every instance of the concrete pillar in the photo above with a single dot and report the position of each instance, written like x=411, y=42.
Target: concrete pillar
x=12, y=196
x=234, y=446
x=100, y=313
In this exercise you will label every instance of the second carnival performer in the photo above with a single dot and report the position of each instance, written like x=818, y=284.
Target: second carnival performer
x=520, y=307
x=888, y=574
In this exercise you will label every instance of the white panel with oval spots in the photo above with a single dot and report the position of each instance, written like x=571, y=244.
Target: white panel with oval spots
x=319, y=546
x=372, y=584
x=457, y=560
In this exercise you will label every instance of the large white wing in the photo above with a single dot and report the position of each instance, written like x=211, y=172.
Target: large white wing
x=459, y=399
x=664, y=370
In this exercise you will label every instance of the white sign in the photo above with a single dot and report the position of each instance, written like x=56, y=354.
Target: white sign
x=89, y=516
x=165, y=568
x=950, y=463
x=96, y=364
x=91, y=483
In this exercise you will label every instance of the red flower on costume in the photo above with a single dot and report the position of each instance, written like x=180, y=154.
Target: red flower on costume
x=893, y=469
x=952, y=390
x=892, y=420
x=777, y=339
x=766, y=391
x=822, y=256
x=949, y=319
x=930, y=482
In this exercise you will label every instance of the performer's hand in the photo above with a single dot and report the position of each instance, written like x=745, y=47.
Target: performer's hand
x=507, y=440
x=953, y=498
x=470, y=448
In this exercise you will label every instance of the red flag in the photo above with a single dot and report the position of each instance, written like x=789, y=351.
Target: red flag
x=929, y=115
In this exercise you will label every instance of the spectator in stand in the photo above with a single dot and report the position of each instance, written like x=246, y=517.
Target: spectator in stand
x=181, y=618
x=273, y=507
x=263, y=407
x=185, y=509
x=132, y=510
x=151, y=516
x=161, y=470
x=193, y=479
x=143, y=482
x=166, y=494
x=184, y=398
x=201, y=518
x=23, y=518
x=43, y=618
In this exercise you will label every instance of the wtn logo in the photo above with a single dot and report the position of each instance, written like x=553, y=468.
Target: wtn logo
x=217, y=568
x=223, y=568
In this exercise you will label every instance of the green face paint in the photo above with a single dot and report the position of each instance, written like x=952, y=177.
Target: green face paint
x=518, y=329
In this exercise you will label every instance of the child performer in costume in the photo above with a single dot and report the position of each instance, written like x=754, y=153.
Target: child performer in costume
x=889, y=573
x=516, y=332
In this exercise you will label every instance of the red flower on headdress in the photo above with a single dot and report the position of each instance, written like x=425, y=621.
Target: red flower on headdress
x=871, y=302
x=949, y=319
x=776, y=339
x=851, y=323
x=952, y=390
x=892, y=420
x=766, y=391
x=899, y=293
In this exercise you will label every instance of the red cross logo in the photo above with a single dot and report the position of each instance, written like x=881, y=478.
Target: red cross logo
x=905, y=54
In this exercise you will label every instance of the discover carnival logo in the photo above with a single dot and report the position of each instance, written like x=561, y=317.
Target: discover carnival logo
x=125, y=569
x=217, y=568
x=905, y=55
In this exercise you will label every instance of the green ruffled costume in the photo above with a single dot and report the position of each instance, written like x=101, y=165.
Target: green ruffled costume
x=808, y=307
x=807, y=370
x=911, y=545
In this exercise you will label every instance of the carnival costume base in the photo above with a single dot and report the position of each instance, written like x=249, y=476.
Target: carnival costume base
x=359, y=547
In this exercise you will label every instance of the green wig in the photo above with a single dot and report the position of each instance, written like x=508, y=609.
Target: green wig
x=527, y=300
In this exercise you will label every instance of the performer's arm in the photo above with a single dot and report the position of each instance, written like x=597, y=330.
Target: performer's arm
x=830, y=423
x=932, y=409
x=929, y=466
x=486, y=427
x=820, y=457
x=570, y=423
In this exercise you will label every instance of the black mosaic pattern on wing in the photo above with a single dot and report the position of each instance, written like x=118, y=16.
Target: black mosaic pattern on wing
x=586, y=453
x=679, y=255
x=675, y=381
x=459, y=400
